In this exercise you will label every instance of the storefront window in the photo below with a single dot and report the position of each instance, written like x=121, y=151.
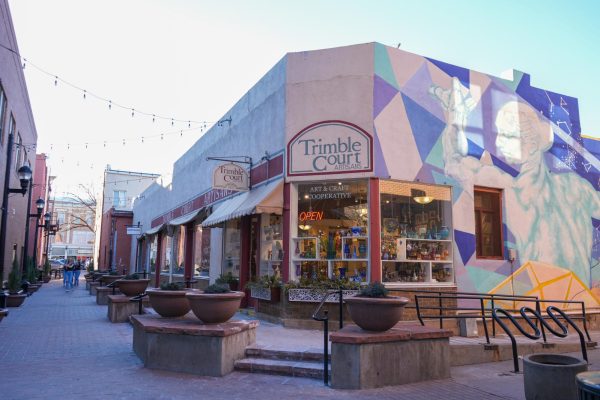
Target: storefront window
x=271, y=245
x=201, y=251
x=416, y=223
x=167, y=252
x=332, y=231
x=152, y=247
x=231, y=248
x=178, y=250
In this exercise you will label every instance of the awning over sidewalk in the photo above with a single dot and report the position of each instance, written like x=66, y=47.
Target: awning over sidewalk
x=154, y=230
x=184, y=219
x=264, y=199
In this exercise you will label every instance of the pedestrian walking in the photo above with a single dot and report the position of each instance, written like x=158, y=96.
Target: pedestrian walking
x=76, y=272
x=68, y=276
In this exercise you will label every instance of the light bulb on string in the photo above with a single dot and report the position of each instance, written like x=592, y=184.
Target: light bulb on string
x=123, y=142
x=55, y=80
x=172, y=121
x=84, y=93
x=142, y=139
x=110, y=104
x=189, y=124
x=153, y=117
x=24, y=63
x=105, y=144
x=86, y=145
x=132, y=112
x=181, y=133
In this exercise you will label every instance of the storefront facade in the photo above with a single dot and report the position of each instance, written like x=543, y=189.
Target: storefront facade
x=367, y=163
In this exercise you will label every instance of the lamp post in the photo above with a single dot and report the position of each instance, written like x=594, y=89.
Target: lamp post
x=24, y=177
x=39, y=205
x=50, y=229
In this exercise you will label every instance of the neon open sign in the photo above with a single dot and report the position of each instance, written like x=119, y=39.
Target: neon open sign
x=311, y=215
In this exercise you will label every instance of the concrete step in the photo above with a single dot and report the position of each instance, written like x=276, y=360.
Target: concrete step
x=305, y=369
x=280, y=354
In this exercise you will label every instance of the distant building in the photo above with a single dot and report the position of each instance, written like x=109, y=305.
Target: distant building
x=114, y=213
x=75, y=238
x=16, y=124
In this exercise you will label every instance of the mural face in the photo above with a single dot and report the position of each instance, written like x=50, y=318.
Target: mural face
x=469, y=129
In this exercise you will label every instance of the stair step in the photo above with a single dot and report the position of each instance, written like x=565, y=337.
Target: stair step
x=306, y=369
x=289, y=355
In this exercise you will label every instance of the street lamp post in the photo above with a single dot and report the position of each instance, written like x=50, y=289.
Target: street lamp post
x=24, y=176
x=39, y=205
x=50, y=229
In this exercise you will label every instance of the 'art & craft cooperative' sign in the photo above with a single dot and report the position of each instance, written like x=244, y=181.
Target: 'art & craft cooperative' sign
x=330, y=147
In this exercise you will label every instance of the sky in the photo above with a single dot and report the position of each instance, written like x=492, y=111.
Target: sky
x=191, y=60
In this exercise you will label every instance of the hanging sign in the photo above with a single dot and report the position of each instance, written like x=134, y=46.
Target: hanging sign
x=330, y=147
x=230, y=176
x=134, y=229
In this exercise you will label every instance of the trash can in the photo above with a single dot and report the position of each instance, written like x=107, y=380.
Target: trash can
x=3, y=299
x=551, y=376
x=588, y=385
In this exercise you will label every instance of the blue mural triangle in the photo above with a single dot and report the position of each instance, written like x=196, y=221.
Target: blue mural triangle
x=383, y=67
x=504, y=166
x=380, y=164
x=442, y=179
x=425, y=126
x=466, y=244
x=436, y=155
x=461, y=73
x=483, y=280
x=474, y=150
x=383, y=93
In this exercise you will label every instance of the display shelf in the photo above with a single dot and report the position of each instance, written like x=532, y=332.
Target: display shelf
x=306, y=248
x=419, y=261
x=355, y=247
x=427, y=240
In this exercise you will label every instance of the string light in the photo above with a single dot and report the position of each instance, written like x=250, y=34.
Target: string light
x=86, y=92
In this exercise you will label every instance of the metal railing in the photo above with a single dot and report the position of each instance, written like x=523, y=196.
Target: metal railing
x=325, y=319
x=140, y=299
x=537, y=333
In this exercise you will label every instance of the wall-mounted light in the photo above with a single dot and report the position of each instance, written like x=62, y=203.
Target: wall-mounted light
x=421, y=197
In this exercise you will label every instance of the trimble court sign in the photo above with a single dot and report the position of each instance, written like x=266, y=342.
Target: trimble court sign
x=330, y=147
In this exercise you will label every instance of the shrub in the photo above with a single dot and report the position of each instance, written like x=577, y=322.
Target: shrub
x=217, y=288
x=14, y=278
x=31, y=271
x=375, y=289
x=227, y=278
x=47, y=268
x=171, y=286
x=132, y=277
x=113, y=273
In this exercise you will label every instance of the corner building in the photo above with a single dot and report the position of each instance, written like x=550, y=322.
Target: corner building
x=374, y=164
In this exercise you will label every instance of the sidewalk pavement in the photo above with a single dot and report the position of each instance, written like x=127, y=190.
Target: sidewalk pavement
x=60, y=345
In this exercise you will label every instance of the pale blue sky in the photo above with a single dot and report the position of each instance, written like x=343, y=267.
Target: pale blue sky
x=195, y=59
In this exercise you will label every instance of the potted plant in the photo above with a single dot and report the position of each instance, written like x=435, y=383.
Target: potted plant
x=15, y=297
x=47, y=271
x=216, y=304
x=132, y=285
x=228, y=279
x=373, y=310
x=266, y=288
x=169, y=301
x=313, y=290
x=111, y=277
x=31, y=277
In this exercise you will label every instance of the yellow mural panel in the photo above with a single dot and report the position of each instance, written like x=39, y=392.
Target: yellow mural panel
x=548, y=282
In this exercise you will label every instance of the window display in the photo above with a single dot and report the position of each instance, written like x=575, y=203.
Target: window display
x=167, y=252
x=271, y=245
x=152, y=248
x=231, y=248
x=178, y=250
x=332, y=231
x=416, y=243
x=201, y=251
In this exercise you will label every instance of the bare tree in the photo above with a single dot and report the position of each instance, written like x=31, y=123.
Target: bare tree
x=86, y=199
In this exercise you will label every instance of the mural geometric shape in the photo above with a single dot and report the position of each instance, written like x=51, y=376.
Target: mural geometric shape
x=417, y=88
x=461, y=73
x=466, y=245
x=426, y=127
x=484, y=280
x=380, y=166
x=442, y=179
x=383, y=68
x=474, y=150
x=383, y=93
x=549, y=282
x=504, y=166
x=436, y=155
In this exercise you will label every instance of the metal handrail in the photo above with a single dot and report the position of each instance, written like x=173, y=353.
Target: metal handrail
x=139, y=298
x=325, y=320
x=537, y=333
x=487, y=311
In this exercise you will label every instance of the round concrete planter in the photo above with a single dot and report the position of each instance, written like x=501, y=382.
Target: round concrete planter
x=47, y=278
x=376, y=313
x=169, y=303
x=132, y=287
x=33, y=287
x=551, y=376
x=15, y=300
x=108, y=279
x=215, y=308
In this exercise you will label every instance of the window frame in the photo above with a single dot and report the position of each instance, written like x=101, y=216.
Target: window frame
x=3, y=110
x=477, y=217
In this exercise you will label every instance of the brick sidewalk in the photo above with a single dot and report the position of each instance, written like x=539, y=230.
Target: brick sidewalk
x=60, y=345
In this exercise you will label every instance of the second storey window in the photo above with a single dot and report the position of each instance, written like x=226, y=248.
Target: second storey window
x=2, y=114
x=119, y=199
x=488, y=222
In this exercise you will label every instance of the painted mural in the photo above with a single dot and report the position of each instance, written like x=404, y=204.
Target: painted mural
x=463, y=128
